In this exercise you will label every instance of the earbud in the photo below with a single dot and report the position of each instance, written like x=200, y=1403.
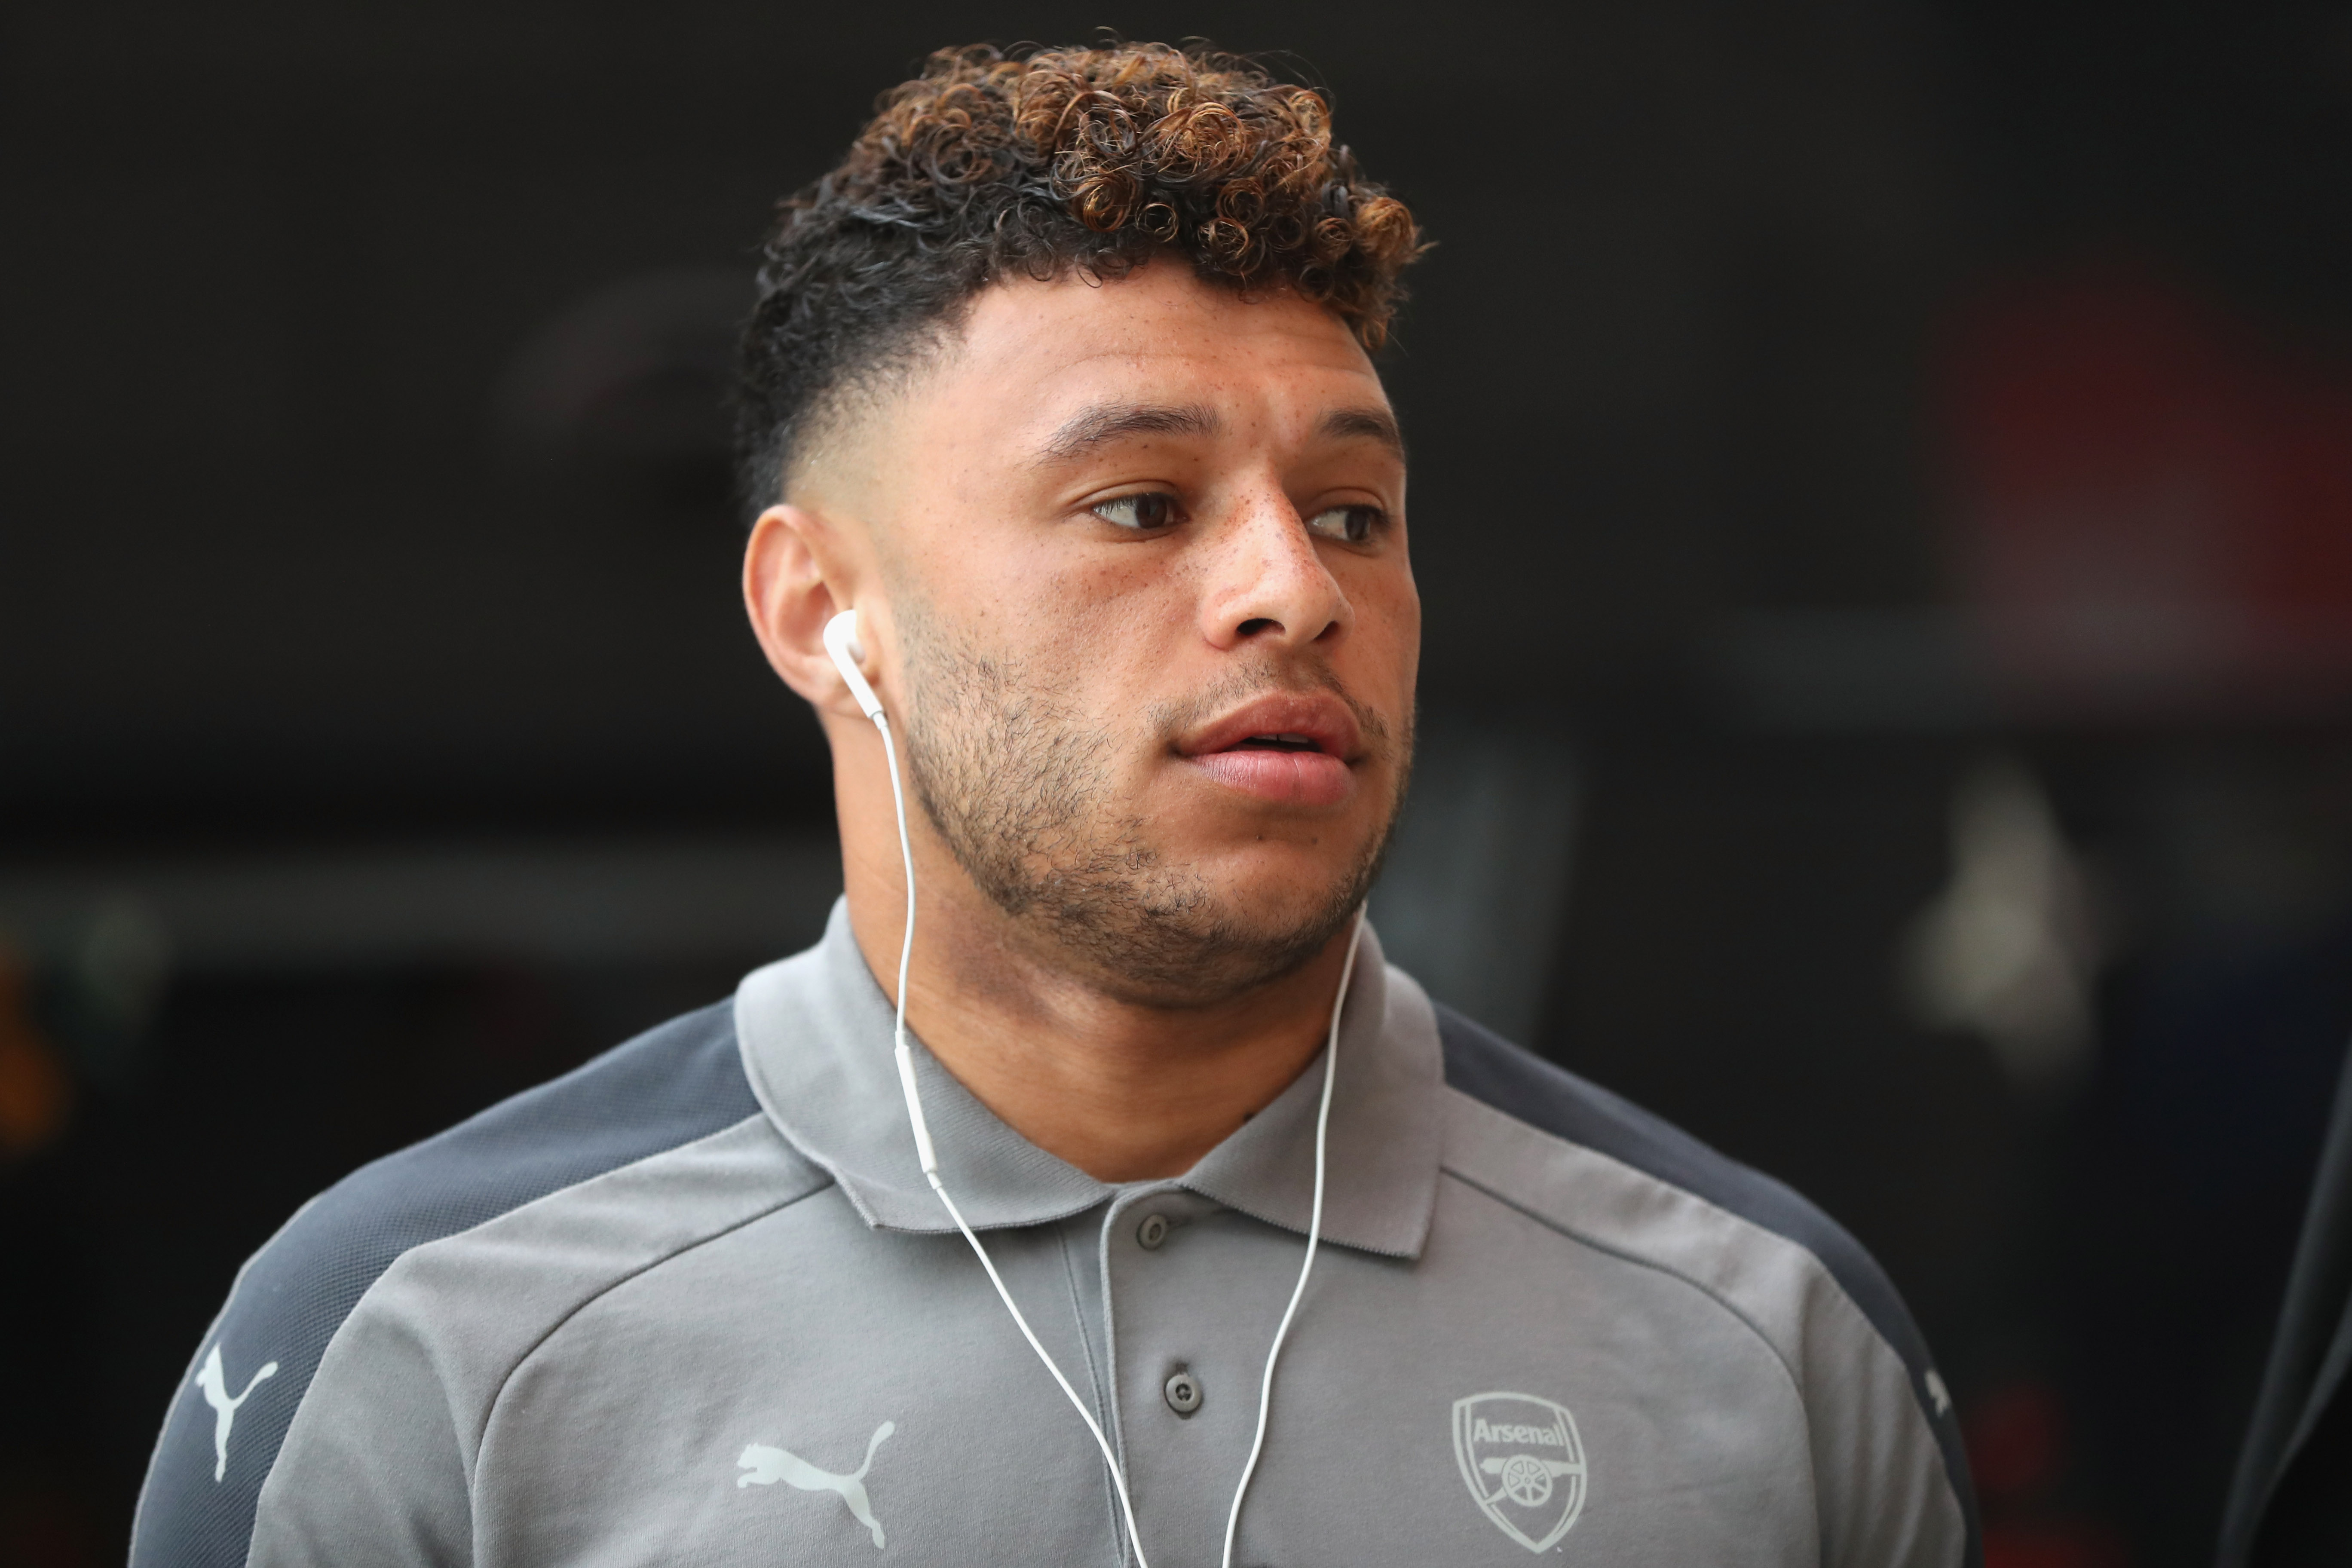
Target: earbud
x=841, y=641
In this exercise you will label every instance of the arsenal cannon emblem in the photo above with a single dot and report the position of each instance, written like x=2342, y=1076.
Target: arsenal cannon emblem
x=1523, y=1462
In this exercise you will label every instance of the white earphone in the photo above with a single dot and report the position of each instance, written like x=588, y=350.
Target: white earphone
x=841, y=642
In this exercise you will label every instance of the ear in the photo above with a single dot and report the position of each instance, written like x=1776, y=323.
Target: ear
x=795, y=578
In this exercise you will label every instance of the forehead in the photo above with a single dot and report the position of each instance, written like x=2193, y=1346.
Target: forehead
x=1032, y=353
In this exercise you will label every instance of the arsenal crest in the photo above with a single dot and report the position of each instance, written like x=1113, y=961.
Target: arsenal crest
x=1523, y=1461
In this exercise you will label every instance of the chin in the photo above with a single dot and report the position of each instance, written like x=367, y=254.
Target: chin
x=1190, y=933
x=1274, y=876
x=1283, y=904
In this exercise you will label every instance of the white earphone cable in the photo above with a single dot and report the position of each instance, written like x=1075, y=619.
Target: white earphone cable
x=925, y=1152
x=1314, y=1235
x=931, y=1161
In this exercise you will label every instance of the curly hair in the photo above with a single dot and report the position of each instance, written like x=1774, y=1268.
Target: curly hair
x=994, y=163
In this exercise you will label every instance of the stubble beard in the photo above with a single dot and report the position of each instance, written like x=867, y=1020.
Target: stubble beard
x=1021, y=786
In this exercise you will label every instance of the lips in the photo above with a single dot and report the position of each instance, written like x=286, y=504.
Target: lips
x=1287, y=749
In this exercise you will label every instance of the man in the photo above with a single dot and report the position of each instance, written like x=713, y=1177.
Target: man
x=1060, y=384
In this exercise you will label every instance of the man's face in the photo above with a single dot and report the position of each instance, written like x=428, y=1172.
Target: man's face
x=1144, y=548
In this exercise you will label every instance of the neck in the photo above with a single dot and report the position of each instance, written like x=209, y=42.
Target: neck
x=1123, y=1090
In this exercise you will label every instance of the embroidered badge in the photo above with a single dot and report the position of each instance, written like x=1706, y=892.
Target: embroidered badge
x=1524, y=1464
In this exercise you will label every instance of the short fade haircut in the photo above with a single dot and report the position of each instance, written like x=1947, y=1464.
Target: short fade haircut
x=1038, y=162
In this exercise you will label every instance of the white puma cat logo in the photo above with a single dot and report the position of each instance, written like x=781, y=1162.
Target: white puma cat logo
x=215, y=1386
x=764, y=1466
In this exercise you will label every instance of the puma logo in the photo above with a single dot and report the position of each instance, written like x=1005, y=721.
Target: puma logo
x=210, y=1378
x=764, y=1466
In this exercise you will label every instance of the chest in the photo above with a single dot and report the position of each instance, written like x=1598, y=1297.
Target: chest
x=808, y=1391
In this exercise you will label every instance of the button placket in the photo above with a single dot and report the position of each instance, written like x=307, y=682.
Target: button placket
x=1154, y=1278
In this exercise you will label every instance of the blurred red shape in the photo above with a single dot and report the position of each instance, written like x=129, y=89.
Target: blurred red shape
x=2152, y=502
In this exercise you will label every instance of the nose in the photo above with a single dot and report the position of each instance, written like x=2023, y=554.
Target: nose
x=1268, y=584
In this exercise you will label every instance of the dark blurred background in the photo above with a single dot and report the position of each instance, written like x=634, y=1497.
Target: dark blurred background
x=1883, y=494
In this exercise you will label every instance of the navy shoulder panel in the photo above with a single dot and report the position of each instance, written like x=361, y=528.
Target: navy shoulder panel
x=1489, y=1068
x=667, y=1088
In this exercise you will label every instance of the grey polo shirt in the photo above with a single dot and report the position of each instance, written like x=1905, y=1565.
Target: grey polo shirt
x=695, y=1303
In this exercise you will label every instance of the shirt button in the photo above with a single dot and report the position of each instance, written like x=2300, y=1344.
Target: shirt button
x=1151, y=1232
x=1183, y=1393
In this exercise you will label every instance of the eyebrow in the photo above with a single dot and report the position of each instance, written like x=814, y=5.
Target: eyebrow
x=1364, y=424
x=1110, y=422
x=1106, y=423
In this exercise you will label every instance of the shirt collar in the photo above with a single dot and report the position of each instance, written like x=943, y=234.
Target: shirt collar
x=814, y=1030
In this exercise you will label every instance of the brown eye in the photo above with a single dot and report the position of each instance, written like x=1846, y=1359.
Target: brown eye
x=1143, y=513
x=1354, y=524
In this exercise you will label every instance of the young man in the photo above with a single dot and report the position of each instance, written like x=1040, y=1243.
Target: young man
x=1060, y=384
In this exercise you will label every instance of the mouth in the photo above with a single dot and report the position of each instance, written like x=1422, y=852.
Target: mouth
x=1290, y=749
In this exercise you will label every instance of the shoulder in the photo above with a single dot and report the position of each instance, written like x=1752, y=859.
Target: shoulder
x=1596, y=1166
x=673, y=1087
x=1550, y=1100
